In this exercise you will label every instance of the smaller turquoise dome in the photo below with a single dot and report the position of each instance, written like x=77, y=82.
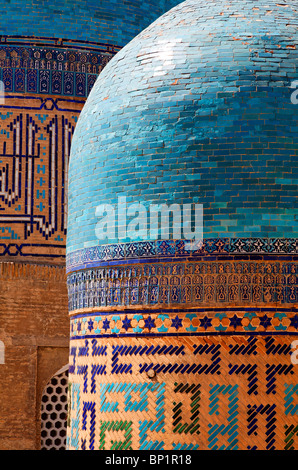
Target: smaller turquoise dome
x=112, y=22
x=196, y=109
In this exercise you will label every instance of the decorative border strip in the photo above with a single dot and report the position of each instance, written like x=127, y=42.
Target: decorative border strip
x=184, y=323
x=13, y=249
x=54, y=42
x=66, y=68
x=193, y=283
x=175, y=249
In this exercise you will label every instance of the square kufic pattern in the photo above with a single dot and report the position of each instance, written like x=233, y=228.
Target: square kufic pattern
x=36, y=134
x=231, y=392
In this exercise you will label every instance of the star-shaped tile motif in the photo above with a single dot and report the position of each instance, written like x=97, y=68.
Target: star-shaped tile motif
x=205, y=322
x=176, y=322
x=149, y=323
x=235, y=321
x=126, y=323
x=90, y=325
x=106, y=324
x=265, y=321
x=294, y=321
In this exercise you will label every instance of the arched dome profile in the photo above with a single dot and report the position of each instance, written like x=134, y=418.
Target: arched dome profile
x=184, y=345
x=114, y=23
x=196, y=109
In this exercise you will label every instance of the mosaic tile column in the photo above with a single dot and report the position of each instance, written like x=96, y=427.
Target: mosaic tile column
x=51, y=53
x=187, y=353
x=171, y=348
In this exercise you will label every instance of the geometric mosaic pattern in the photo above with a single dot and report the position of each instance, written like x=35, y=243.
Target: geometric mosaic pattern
x=175, y=352
x=196, y=283
x=56, y=68
x=192, y=322
x=174, y=250
x=169, y=352
x=205, y=393
x=36, y=132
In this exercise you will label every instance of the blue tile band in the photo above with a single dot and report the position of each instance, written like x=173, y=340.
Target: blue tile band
x=174, y=250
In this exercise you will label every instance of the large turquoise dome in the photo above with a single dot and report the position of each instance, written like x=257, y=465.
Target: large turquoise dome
x=198, y=108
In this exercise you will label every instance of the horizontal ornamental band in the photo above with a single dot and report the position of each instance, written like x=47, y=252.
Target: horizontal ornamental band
x=184, y=323
x=140, y=251
x=193, y=284
x=69, y=69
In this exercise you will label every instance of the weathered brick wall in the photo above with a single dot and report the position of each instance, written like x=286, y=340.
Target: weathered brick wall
x=34, y=329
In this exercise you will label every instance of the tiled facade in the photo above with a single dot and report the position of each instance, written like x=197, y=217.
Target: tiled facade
x=52, y=67
x=36, y=133
x=45, y=90
x=49, y=62
x=50, y=56
x=207, y=393
x=171, y=348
